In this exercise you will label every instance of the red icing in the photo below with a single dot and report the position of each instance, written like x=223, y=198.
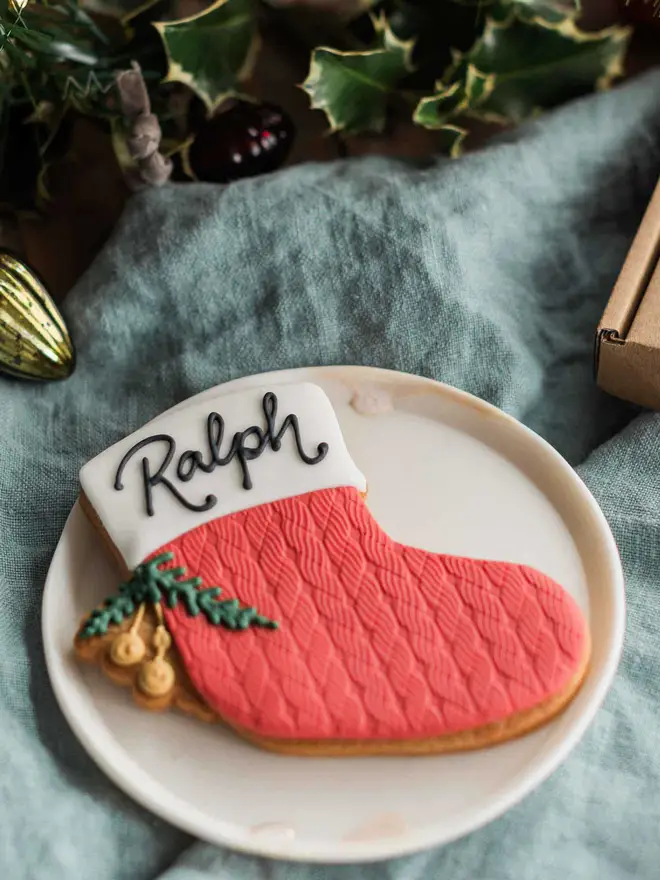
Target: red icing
x=376, y=639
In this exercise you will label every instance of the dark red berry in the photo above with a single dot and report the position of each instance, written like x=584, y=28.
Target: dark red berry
x=244, y=141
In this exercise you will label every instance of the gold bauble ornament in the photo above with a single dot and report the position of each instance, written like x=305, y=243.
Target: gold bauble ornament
x=161, y=640
x=127, y=649
x=34, y=340
x=156, y=677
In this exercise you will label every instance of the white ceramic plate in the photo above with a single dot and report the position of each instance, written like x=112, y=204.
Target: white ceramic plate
x=477, y=483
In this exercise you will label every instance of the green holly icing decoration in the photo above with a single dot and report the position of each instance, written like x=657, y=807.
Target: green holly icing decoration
x=153, y=584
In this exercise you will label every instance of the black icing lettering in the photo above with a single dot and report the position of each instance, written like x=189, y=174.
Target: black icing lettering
x=245, y=453
x=158, y=478
x=215, y=430
x=188, y=464
x=269, y=405
x=245, y=447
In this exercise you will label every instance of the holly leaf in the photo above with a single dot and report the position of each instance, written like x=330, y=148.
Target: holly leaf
x=386, y=38
x=352, y=88
x=533, y=64
x=436, y=110
x=211, y=52
x=524, y=61
x=438, y=29
x=478, y=86
x=550, y=9
x=450, y=140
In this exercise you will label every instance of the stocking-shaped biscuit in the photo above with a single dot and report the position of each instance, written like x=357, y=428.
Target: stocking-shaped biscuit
x=260, y=591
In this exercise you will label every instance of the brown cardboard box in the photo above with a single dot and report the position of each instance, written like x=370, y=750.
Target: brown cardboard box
x=627, y=348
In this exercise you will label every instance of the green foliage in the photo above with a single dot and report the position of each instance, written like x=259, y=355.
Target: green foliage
x=495, y=60
x=152, y=584
x=211, y=52
x=53, y=58
x=437, y=109
x=523, y=62
x=53, y=48
x=451, y=139
x=352, y=88
x=441, y=62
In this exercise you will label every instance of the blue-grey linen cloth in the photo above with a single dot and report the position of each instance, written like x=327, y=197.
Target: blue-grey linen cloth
x=489, y=273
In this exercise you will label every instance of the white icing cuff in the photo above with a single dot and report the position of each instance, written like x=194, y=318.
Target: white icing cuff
x=214, y=458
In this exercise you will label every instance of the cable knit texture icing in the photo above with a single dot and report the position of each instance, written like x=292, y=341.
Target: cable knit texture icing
x=376, y=640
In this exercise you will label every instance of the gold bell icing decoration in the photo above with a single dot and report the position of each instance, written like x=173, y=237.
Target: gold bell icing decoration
x=34, y=340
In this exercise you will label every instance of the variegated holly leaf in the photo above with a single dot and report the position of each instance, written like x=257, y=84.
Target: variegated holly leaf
x=436, y=110
x=211, y=52
x=532, y=63
x=385, y=38
x=524, y=61
x=450, y=140
x=470, y=89
x=550, y=9
x=352, y=88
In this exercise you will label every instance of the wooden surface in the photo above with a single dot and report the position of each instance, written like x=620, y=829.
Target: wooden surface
x=89, y=192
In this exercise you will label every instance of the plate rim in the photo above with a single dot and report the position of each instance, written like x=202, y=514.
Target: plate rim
x=416, y=840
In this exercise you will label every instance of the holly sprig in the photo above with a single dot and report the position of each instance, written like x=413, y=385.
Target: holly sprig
x=493, y=60
x=154, y=585
x=440, y=64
